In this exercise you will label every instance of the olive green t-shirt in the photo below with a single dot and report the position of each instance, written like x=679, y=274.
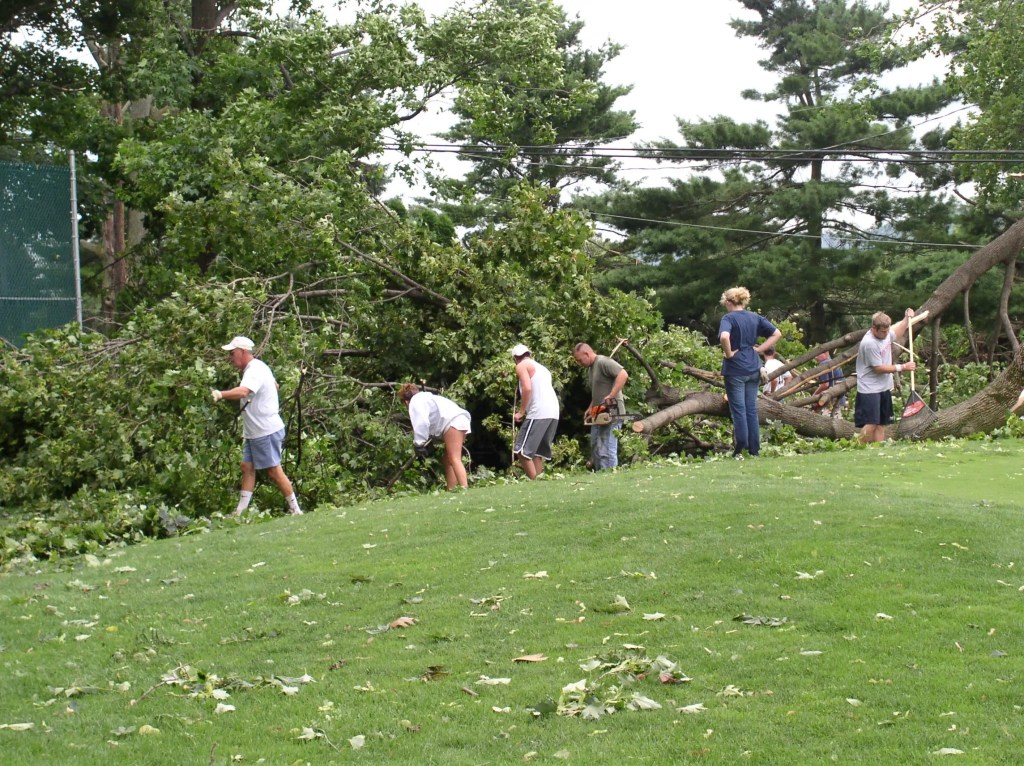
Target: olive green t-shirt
x=603, y=372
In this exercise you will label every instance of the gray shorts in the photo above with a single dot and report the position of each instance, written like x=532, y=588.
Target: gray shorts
x=263, y=452
x=535, y=437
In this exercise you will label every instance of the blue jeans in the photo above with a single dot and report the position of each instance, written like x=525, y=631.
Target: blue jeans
x=604, y=447
x=742, y=391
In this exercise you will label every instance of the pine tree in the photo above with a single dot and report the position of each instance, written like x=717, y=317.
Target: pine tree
x=792, y=209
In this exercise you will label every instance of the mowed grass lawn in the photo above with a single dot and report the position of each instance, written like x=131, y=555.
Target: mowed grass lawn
x=884, y=591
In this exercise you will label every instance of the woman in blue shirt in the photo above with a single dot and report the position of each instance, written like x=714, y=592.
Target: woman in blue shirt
x=741, y=367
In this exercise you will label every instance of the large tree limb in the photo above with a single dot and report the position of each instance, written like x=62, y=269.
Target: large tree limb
x=1004, y=248
x=981, y=413
x=1004, y=304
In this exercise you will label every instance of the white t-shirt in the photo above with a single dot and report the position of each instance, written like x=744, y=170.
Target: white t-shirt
x=543, y=399
x=872, y=353
x=770, y=366
x=431, y=416
x=260, y=416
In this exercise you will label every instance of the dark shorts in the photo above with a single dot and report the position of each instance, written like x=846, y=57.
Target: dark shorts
x=263, y=452
x=535, y=437
x=873, y=409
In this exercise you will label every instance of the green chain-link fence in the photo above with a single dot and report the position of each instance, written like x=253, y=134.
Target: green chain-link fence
x=37, y=270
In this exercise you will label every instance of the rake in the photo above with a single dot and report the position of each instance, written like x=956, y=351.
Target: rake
x=917, y=415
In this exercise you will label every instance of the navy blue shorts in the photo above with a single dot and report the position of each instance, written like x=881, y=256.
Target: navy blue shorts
x=873, y=409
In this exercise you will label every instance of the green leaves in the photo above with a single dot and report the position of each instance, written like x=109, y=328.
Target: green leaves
x=617, y=606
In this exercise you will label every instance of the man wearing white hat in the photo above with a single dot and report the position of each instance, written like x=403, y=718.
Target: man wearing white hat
x=538, y=411
x=262, y=426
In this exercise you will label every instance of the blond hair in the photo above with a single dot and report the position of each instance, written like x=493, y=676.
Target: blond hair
x=737, y=296
x=881, y=320
x=407, y=391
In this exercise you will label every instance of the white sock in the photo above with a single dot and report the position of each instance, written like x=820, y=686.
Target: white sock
x=293, y=503
x=243, y=500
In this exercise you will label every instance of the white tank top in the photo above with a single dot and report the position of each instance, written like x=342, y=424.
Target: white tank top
x=543, y=400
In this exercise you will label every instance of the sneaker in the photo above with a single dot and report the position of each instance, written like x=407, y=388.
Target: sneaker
x=296, y=512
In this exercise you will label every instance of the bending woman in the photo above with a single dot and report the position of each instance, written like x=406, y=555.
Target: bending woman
x=435, y=417
x=741, y=367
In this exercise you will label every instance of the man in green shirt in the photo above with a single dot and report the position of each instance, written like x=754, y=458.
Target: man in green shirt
x=607, y=379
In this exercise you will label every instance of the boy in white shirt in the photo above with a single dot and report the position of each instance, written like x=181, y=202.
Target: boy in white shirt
x=771, y=364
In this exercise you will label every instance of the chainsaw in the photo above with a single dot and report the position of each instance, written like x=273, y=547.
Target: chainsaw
x=604, y=414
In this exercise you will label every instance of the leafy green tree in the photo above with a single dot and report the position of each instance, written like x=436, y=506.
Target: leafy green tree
x=979, y=40
x=535, y=110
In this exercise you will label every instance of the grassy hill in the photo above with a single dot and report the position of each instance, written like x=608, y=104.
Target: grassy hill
x=880, y=593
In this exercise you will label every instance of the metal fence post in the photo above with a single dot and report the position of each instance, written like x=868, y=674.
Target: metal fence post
x=74, y=238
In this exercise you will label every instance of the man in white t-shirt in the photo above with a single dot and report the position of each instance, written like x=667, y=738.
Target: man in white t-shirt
x=262, y=426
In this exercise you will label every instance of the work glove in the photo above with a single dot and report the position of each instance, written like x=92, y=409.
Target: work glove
x=217, y=395
x=420, y=450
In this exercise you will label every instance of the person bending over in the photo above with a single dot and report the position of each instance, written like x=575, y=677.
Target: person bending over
x=437, y=417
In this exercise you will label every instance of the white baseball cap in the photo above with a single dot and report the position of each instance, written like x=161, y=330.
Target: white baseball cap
x=520, y=350
x=239, y=341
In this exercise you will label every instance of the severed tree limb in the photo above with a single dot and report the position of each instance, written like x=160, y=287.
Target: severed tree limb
x=700, y=403
x=705, y=376
x=854, y=336
x=1007, y=246
x=637, y=355
x=342, y=292
x=271, y=311
x=806, y=423
x=658, y=393
x=317, y=318
x=801, y=380
x=1004, y=304
x=933, y=373
x=339, y=352
x=289, y=84
x=969, y=327
x=981, y=413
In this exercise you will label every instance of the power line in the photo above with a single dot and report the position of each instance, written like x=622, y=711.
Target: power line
x=504, y=152
x=796, y=235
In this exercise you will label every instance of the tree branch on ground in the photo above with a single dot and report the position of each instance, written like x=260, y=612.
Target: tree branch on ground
x=981, y=413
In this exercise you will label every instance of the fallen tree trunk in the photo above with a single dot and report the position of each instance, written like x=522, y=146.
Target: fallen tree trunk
x=982, y=413
x=803, y=419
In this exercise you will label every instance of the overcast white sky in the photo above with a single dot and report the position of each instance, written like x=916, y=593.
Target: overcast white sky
x=680, y=56
x=682, y=59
